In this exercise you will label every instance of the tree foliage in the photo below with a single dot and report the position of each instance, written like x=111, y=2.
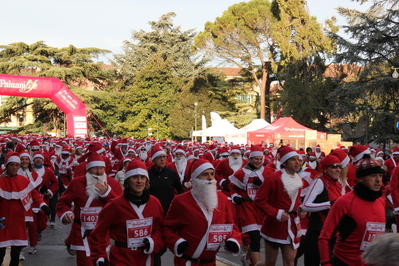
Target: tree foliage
x=74, y=66
x=372, y=44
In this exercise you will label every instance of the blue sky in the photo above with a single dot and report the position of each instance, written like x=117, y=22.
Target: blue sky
x=107, y=23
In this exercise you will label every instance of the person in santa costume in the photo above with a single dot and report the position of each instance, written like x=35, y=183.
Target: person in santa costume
x=279, y=199
x=16, y=198
x=65, y=164
x=210, y=154
x=392, y=162
x=46, y=184
x=133, y=221
x=319, y=154
x=244, y=185
x=321, y=195
x=195, y=238
x=181, y=166
x=88, y=194
x=355, y=219
x=120, y=176
x=227, y=167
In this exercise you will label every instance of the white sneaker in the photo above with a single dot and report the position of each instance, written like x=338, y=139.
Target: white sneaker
x=21, y=256
x=52, y=224
x=244, y=261
x=32, y=250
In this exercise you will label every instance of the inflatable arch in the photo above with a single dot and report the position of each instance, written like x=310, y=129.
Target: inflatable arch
x=53, y=88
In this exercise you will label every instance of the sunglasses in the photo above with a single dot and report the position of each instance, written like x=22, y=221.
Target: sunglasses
x=335, y=166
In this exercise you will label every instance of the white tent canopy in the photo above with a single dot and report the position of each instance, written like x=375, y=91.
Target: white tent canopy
x=240, y=137
x=220, y=127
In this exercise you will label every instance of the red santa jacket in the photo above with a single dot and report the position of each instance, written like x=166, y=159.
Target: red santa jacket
x=65, y=166
x=391, y=163
x=48, y=180
x=222, y=173
x=273, y=199
x=76, y=193
x=114, y=217
x=186, y=175
x=193, y=226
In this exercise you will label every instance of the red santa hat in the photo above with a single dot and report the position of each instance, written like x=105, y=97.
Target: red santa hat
x=66, y=150
x=38, y=154
x=15, y=137
x=378, y=152
x=122, y=142
x=212, y=147
x=198, y=166
x=235, y=149
x=12, y=157
x=327, y=161
x=190, y=155
x=342, y=157
x=156, y=151
x=357, y=152
x=256, y=151
x=34, y=145
x=312, y=155
x=127, y=159
x=181, y=149
x=136, y=167
x=318, y=146
x=395, y=150
x=223, y=151
x=286, y=153
x=94, y=159
x=25, y=154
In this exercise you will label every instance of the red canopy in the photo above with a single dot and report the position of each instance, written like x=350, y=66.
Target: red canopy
x=283, y=128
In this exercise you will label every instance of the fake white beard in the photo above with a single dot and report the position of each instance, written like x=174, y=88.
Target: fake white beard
x=143, y=155
x=148, y=147
x=58, y=151
x=91, y=181
x=235, y=164
x=291, y=184
x=204, y=191
x=181, y=164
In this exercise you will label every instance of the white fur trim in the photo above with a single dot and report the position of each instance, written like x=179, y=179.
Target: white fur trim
x=200, y=169
x=255, y=154
x=35, y=148
x=180, y=150
x=106, y=193
x=94, y=163
x=158, y=153
x=37, y=155
x=235, y=150
x=345, y=162
x=251, y=227
x=238, y=245
x=360, y=155
x=14, y=159
x=279, y=214
x=287, y=156
x=151, y=246
x=137, y=171
x=177, y=244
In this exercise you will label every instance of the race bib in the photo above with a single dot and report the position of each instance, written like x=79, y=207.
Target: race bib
x=26, y=199
x=251, y=190
x=89, y=217
x=373, y=230
x=137, y=230
x=217, y=234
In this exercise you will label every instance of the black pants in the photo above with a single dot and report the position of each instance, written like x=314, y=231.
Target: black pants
x=311, y=248
x=157, y=257
x=53, y=203
x=337, y=262
x=15, y=250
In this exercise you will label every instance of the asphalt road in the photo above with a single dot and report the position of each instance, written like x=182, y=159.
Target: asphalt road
x=52, y=251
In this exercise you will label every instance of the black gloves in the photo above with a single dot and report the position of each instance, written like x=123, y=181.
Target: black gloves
x=182, y=247
x=257, y=182
x=43, y=189
x=147, y=244
x=231, y=246
x=237, y=200
x=224, y=183
x=102, y=263
x=46, y=209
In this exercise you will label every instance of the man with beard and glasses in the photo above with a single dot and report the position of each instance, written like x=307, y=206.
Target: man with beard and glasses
x=88, y=194
x=279, y=199
x=181, y=166
x=133, y=221
x=195, y=237
x=244, y=185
